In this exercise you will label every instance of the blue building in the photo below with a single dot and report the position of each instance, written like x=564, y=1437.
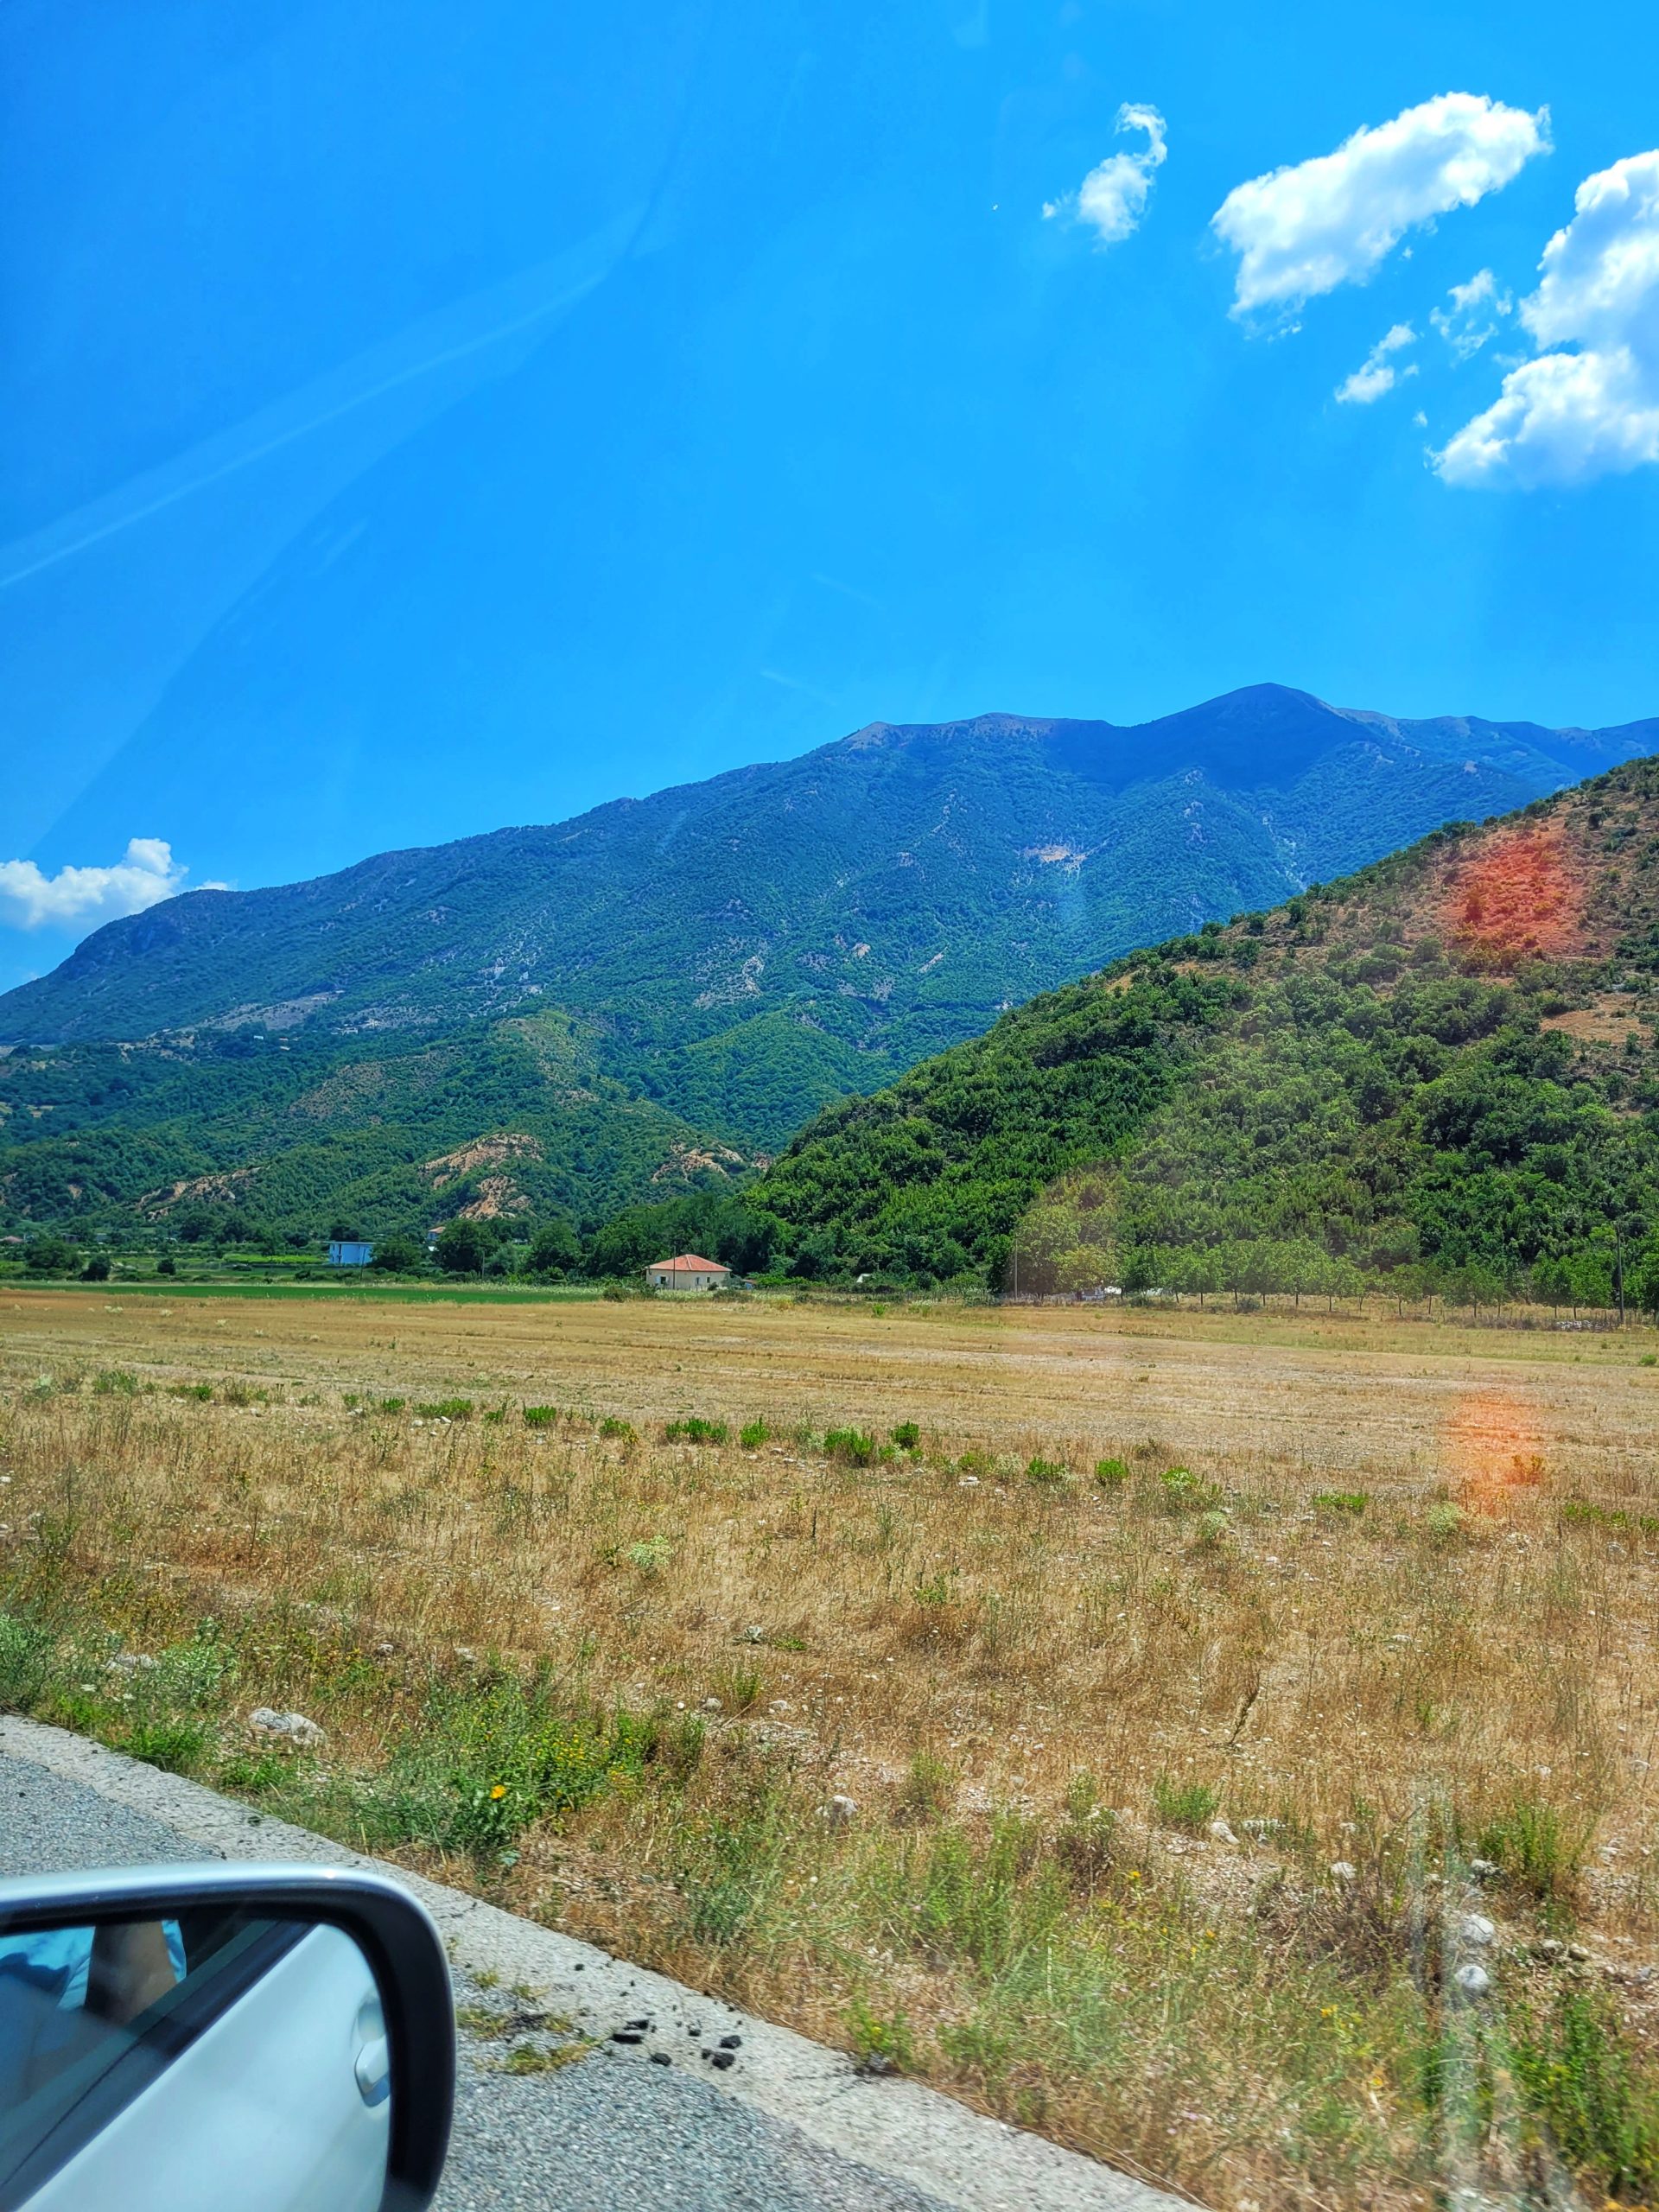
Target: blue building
x=345, y=1254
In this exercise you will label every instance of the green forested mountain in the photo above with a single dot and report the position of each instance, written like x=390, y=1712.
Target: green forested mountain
x=654, y=995
x=1441, y=1069
x=251, y=1135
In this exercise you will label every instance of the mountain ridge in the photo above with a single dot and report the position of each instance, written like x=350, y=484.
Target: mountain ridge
x=723, y=959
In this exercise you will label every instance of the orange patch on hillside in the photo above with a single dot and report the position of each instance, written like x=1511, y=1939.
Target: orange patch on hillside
x=1492, y=1449
x=1518, y=894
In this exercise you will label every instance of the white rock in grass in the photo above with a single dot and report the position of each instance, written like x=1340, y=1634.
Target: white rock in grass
x=1222, y=1833
x=294, y=1727
x=840, y=1811
x=1474, y=1981
x=1477, y=1930
x=1343, y=1870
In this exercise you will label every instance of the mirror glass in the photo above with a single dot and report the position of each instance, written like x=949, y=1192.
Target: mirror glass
x=211, y=2059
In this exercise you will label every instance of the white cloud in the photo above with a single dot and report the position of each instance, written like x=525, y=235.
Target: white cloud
x=1113, y=197
x=1300, y=231
x=1471, y=320
x=1376, y=373
x=81, y=898
x=1568, y=417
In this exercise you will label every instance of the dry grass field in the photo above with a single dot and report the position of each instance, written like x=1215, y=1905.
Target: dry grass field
x=1136, y=1723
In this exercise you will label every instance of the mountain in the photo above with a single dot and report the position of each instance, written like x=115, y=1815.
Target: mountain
x=660, y=991
x=751, y=946
x=1442, y=1070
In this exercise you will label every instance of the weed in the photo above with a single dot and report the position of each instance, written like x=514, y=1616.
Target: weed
x=739, y=1689
x=1444, y=1522
x=446, y=1409
x=28, y=1659
x=882, y=2042
x=929, y=1790
x=1537, y=1851
x=907, y=1436
x=1573, y=2066
x=393, y=1405
x=1111, y=1474
x=853, y=1447
x=533, y=2058
x=176, y=1747
x=651, y=1555
x=488, y=1759
x=1048, y=1473
x=1086, y=1842
x=115, y=1383
x=1212, y=1533
x=694, y=1430
x=1189, y=1805
x=1341, y=1501
x=613, y=1424
x=202, y=1392
x=754, y=1435
x=1185, y=1492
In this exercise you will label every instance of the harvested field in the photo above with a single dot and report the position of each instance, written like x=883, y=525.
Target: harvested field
x=1101, y=1714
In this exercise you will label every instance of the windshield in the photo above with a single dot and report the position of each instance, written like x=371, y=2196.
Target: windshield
x=830, y=1022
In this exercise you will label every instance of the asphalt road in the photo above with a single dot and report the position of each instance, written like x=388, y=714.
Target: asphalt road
x=611, y=2132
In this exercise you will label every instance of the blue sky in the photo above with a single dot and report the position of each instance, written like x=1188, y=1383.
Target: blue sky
x=416, y=419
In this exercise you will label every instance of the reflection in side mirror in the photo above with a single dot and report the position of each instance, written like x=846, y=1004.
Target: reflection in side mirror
x=277, y=2040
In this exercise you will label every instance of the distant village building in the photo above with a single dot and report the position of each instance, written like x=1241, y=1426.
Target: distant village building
x=688, y=1272
x=347, y=1252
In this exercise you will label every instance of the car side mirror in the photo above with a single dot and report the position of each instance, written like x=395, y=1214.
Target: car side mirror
x=274, y=2038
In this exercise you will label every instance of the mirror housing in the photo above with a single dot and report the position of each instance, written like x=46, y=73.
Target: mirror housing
x=166, y=2052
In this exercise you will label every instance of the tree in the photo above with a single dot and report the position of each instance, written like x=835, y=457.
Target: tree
x=97, y=1270
x=51, y=1255
x=397, y=1255
x=556, y=1248
x=463, y=1246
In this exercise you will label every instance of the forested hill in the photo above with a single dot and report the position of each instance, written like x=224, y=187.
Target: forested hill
x=742, y=951
x=1442, y=1070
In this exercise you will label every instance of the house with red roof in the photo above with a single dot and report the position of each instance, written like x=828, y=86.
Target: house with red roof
x=688, y=1272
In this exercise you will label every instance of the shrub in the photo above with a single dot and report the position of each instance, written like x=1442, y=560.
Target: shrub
x=1111, y=1474
x=754, y=1435
x=1048, y=1472
x=97, y=1270
x=853, y=1447
x=1190, y=1806
x=166, y=1265
x=541, y=1416
x=694, y=1430
x=907, y=1436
